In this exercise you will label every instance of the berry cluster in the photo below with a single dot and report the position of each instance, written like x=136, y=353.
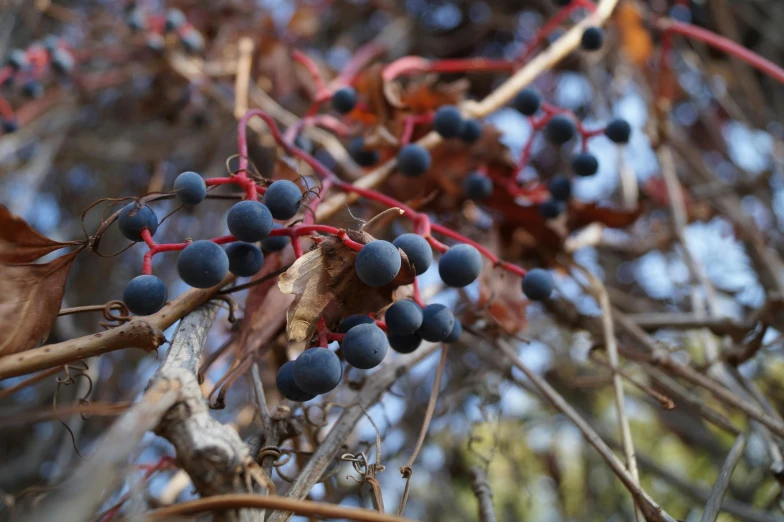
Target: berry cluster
x=26, y=70
x=157, y=26
x=558, y=128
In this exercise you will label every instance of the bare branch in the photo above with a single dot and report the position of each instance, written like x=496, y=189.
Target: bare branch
x=713, y=507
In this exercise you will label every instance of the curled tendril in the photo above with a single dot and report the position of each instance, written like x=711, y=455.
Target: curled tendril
x=122, y=316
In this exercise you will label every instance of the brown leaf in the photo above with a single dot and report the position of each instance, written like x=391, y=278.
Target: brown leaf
x=30, y=297
x=326, y=285
x=19, y=243
x=582, y=214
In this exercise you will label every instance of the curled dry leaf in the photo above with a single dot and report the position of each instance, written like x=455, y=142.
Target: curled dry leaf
x=19, y=243
x=325, y=284
x=30, y=298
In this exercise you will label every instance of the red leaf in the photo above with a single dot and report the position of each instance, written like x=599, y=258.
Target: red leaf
x=19, y=243
x=30, y=298
x=582, y=214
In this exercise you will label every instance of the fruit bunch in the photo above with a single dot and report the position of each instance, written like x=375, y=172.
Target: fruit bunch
x=158, y=29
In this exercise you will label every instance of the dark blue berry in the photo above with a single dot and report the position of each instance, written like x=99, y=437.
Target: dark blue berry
x=460, y=265
x=477, y=186
x=551, y=208
x=135, y=217
x=287, y=387
x=51, y=43
x=585, y=164
x=62, y=61
x=174, y=19
x=562, y=3
x=136, y=20
x=405, y=343
x=403, y=317
x=155, y=42
x=618, y=130
x=364, y=157
x=10, y=125
x=145, y=295
x=282, y=199
x=17, y=59
x=275, y=243
x=537, y=284
x=365, y=346
x=448, y=121
x=413, y=160
x=592, y=39
x=304, y=143
x=245, y=259
x=454, y=335
x=317, y=371
x=190, y=188
x=353, y=320
x=471, y=131
x=378, y=263
x=203, y=264
x=560, y=188
x=249, y=221
x=527, y=101
x=344, y=100
x=192, y=41
x=559, y=129
x=437, y=323
x=32, y=89
x=681, y=13
x=417, y=250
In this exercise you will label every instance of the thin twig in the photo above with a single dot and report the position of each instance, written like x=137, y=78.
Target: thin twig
x=713, y=507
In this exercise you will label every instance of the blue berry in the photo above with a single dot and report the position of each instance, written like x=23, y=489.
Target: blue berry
x=353, y=320
x=365, y=346
x=10, y=125
x=405, y=343
x=562, y=3
x=62, y=61
x=551, y=208
x=32, y=89
x=559, y=129
x=135, y=217
x=190, y=188
x=378, y=263
x=203, y=264
x=417, y=250
x=681, y=13
x=403, y=317
x=454, y=335
x=560, y=188
x=537, y=284
x=304, y=143
x=527, y=101
x=477, y=186
x=136, y=20
x=585, y=164
x=192, y=41
x=471, y=131
x=155, y=42
x=344, y=100
x=282, y=199
x=275, y=243
x=413, y=160
x=437, y=323
x=460, y=265
x=618, y=130
x=448, y=121
x=174, y=19
x=249, y=221
x=245, y=259
x=17, y=59
x=592, y=39
x=145, y=295
x=284, y=380
x=317, y=371
x=364, y=157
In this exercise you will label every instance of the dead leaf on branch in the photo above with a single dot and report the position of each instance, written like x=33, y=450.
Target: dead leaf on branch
x=30, y=298
x=325, y=284
x=19, y=243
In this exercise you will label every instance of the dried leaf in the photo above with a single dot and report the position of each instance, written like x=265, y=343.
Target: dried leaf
x=636, y=40
x=30, y=298
x=582, y=214
x=19, y=243
x=326, y=285
x=501, y=294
